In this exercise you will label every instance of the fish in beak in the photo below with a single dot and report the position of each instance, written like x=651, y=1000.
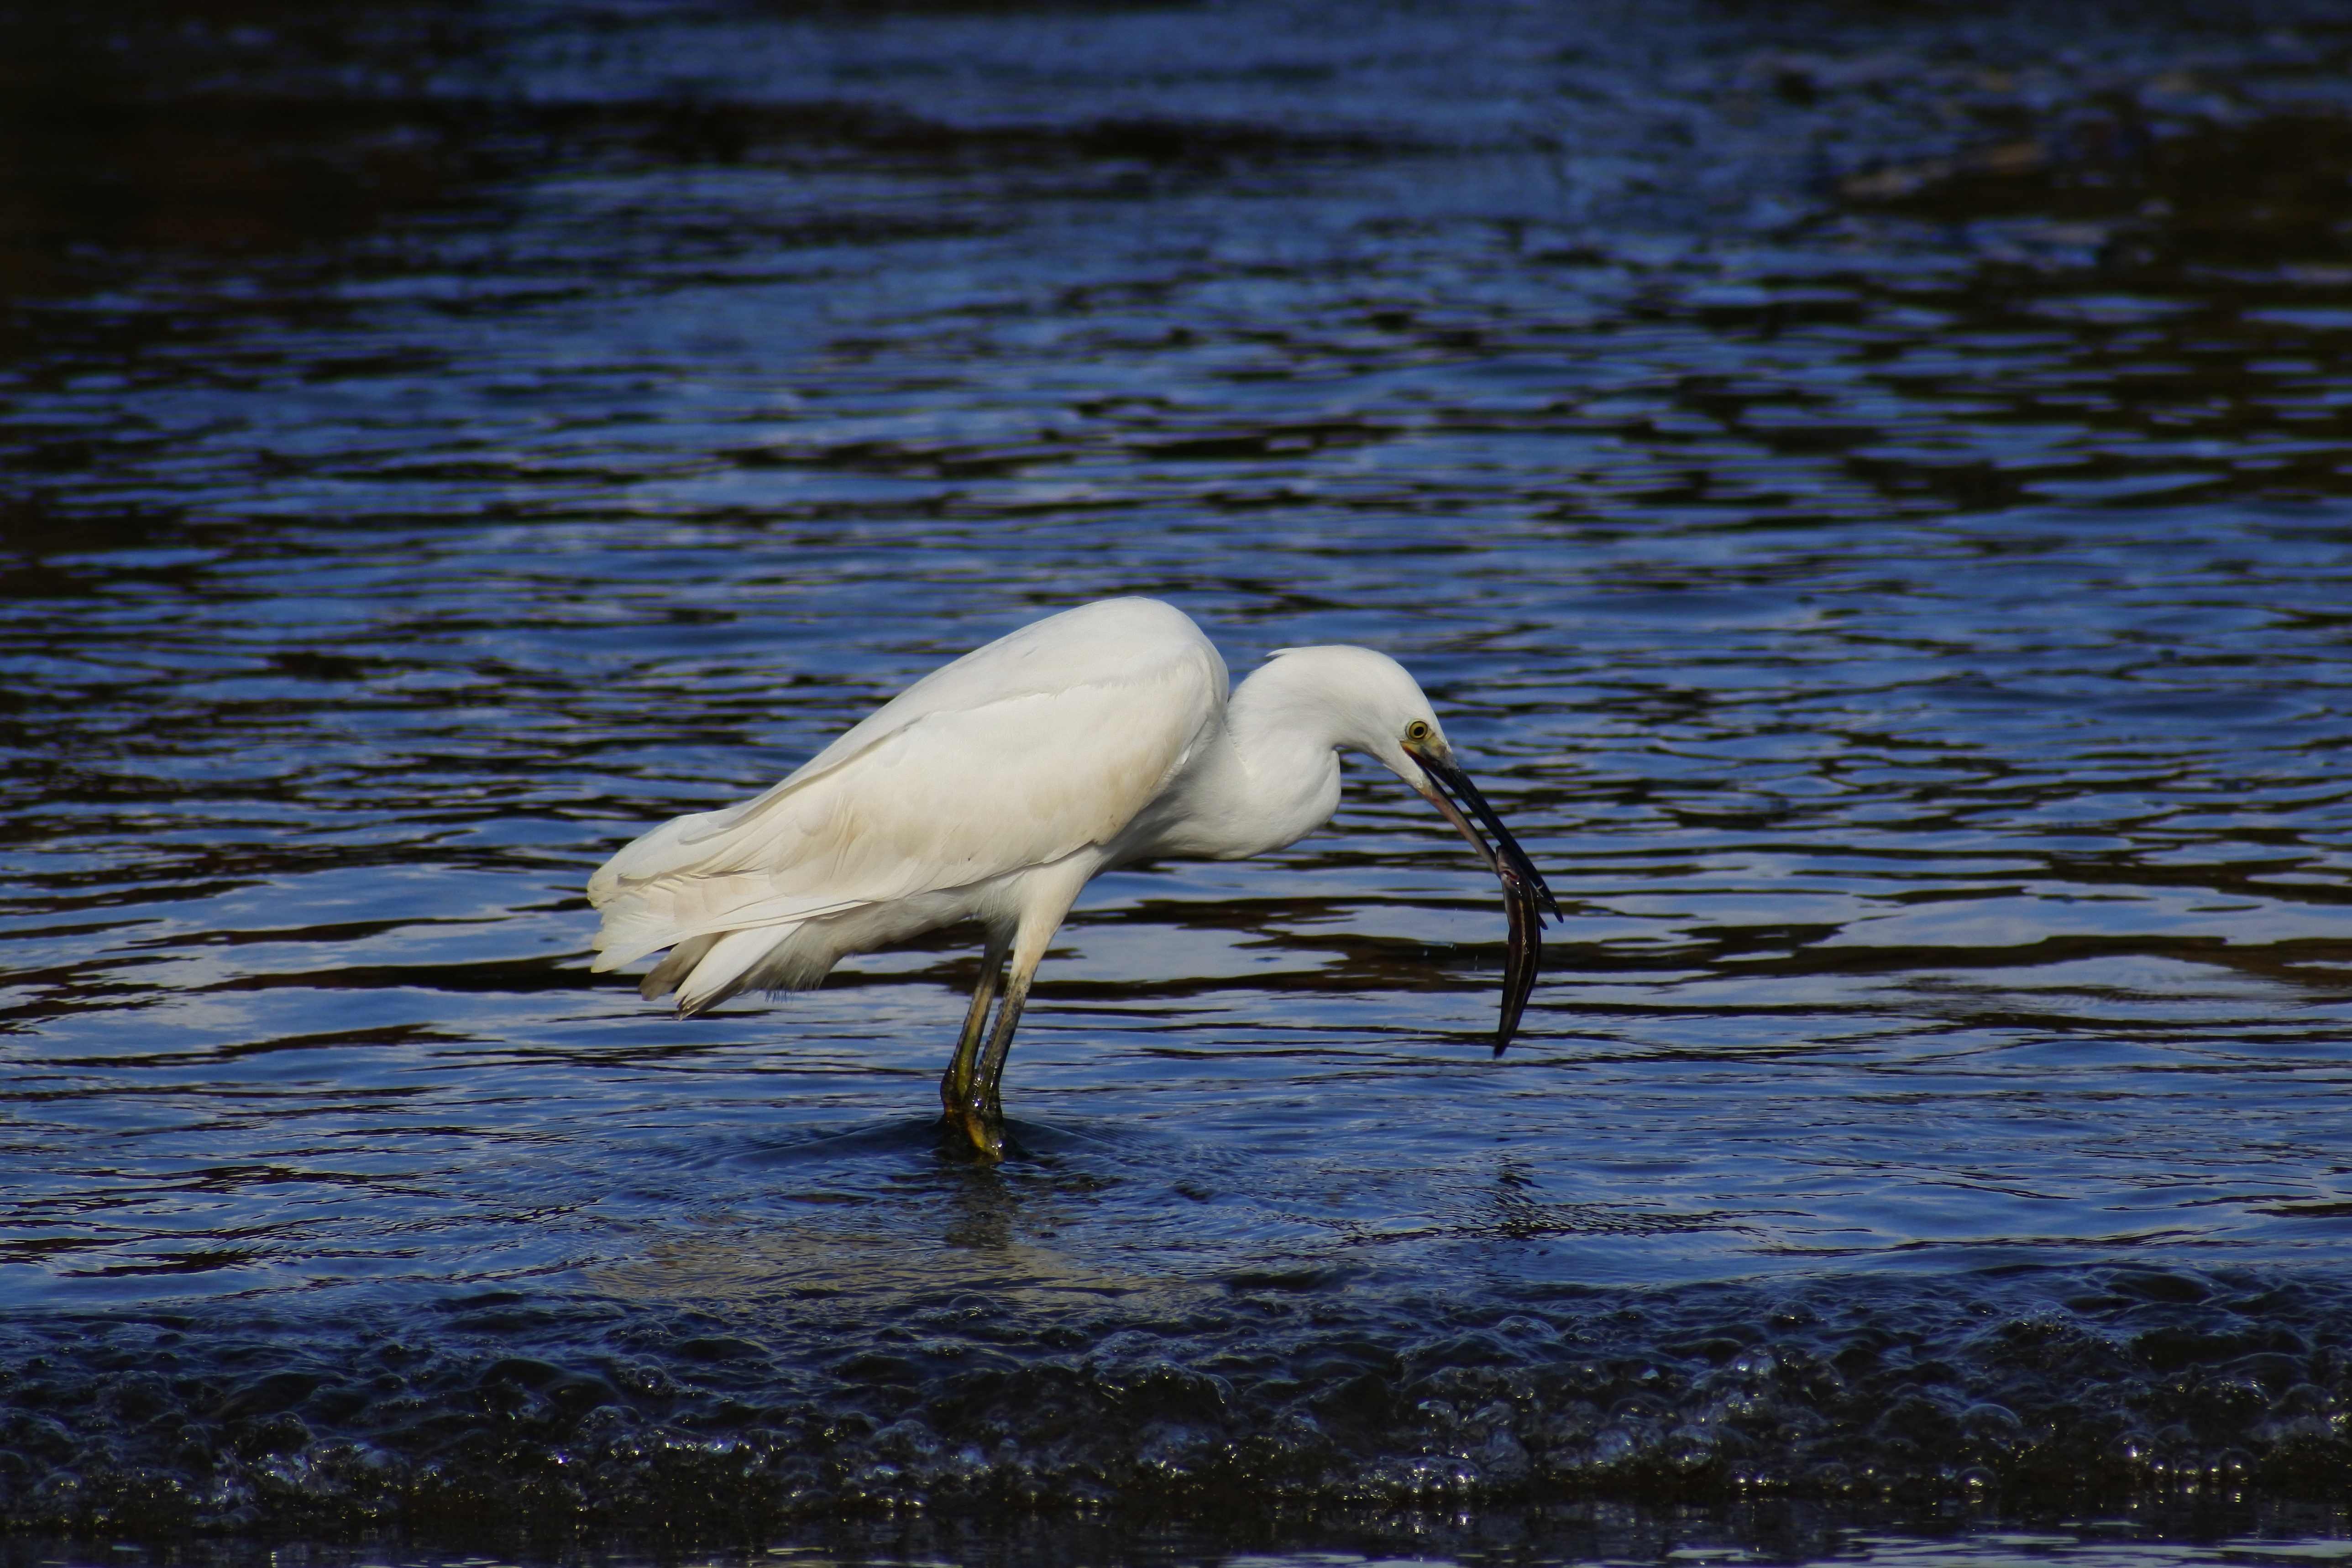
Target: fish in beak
x=1523, y=892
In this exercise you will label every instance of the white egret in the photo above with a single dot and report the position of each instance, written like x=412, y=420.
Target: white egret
x=994, y=787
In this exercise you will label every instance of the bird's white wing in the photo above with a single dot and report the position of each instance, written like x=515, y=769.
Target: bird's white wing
x=1015, y=755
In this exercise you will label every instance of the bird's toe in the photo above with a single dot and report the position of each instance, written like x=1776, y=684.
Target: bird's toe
x=984, y=1133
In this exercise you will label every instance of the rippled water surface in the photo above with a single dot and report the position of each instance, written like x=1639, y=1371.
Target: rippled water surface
x=1871, y=493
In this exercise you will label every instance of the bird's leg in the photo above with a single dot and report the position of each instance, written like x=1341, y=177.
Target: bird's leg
x=1047, y=895
x=981, y=1113
x=1000, y=1044
x=955, y=1087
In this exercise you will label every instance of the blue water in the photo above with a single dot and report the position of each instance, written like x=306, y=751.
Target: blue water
x=1867, y=494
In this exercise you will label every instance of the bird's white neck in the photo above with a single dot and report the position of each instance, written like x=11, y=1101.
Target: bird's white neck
x=1269, y=779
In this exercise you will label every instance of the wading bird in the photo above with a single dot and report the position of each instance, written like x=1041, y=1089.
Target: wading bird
x=995, y=787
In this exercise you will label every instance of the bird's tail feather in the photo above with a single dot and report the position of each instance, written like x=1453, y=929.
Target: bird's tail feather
x=682, y=958
x=644, y=918
x=724, y=968
x=765, y=959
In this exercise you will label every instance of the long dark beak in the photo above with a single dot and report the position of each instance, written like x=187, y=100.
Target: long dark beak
x=1523, y=892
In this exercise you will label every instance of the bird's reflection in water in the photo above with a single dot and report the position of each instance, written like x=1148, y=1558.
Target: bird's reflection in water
x=897, y=1210
x=990, y=1214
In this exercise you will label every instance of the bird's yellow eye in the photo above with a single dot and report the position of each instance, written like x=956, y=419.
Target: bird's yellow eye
x=1418, y=730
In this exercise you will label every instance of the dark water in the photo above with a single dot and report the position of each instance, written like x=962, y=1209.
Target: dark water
x=1870, y=490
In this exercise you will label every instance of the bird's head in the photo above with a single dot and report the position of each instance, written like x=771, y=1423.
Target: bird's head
x=1367, y=702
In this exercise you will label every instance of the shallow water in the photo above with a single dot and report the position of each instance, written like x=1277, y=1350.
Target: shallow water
x=1869, y=494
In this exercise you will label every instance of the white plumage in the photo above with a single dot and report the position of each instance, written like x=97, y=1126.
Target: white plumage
x=995, y=787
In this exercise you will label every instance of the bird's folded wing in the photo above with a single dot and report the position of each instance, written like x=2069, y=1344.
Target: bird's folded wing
x=965, y=783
